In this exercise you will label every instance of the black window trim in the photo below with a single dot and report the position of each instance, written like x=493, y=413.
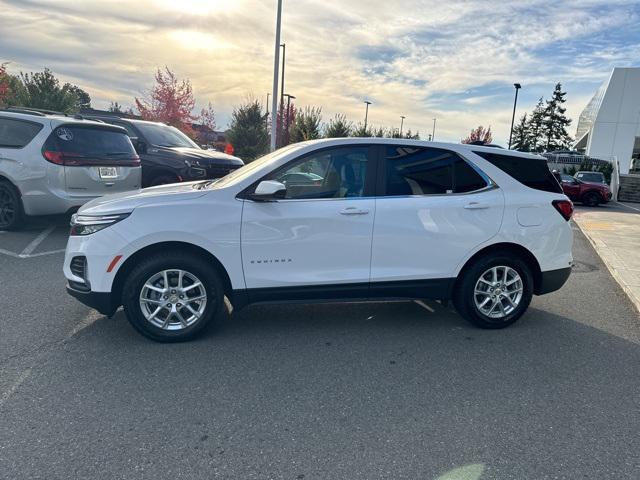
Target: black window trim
x=381, y=185
x=370, y=179
x=23, y=120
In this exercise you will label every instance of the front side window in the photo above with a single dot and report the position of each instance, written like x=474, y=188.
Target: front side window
x=17, y=133
x=331, y=173
x=414, y=170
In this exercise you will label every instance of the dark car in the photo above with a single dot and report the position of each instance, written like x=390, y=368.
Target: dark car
x=588, y=193
x=169, y=156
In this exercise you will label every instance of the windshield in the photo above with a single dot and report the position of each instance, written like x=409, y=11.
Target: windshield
x=165, y=136
x=591, y=177
x=249, y=168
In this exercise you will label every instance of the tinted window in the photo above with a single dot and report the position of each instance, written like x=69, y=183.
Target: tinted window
x=130, y=131
x=465, y=178
x=591, y=177
x=17, y=133
x=418, y=171
x=333, y=173
x=532, y=172
x=165, y=136
x=85, y=141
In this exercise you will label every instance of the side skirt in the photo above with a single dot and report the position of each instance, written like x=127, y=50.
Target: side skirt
x=437, y=289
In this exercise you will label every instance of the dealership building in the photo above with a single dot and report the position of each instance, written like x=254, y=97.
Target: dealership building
x=609, y=126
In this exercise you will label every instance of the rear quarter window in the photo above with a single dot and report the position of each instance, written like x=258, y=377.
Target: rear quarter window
x=532, y=172
x=17, y=133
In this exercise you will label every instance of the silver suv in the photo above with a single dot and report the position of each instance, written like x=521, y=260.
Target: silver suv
x=52, y=164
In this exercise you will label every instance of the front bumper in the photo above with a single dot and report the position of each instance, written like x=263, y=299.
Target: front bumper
x=552, y=280
x=100, y=301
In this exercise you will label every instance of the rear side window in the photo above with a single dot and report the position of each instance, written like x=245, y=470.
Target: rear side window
x=90, y=142
x=531, y=172
x=17, y=133
x=414, y=170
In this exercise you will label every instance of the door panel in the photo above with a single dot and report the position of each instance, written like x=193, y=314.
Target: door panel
x=425, y=237
x=306, y=242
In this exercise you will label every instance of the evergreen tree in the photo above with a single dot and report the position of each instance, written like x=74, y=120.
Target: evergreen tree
x=522, y=135
x=556, y=122
x=248, y=131
x=535, y=127
x=362, y=131
x=306, y=125
x=338, y=127
x=415, y=136
x=379, y=132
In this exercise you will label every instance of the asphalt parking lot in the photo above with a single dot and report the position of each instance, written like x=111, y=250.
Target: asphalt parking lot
x=332, y=391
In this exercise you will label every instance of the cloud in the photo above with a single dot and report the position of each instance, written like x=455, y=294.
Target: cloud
x=455, y=61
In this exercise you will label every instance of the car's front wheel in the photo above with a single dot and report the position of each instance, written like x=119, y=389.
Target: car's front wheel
x=495, y=291
x=591, y=199
x=172, y=297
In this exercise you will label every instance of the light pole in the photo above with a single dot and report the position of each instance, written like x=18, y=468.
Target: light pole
x=433, y=132
x=366, y=113
x=266, y=117
x=402, y=117
x=289, y=97
x=513, y=116
x=276, y=62
x=284, y=51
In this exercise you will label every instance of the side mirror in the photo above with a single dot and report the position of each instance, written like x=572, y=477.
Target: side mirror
x=268, y=190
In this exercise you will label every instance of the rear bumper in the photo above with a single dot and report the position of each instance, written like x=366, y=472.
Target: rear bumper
x=552, y=280
x=100, y=301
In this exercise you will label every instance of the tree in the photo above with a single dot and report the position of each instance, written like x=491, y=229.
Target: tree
x=555, y=121
x=479, y=134
x=362, y=131
x=43, y=90
x=380, y=132
x=306, y=125
x=4, y=85
x=170, y=101
x=83, y=100
x=535, y=127
x=338, y=127
x=416, y=136
x=286, y=118
x=115, y=107
x=208, y=117
x=522, y=135
x=248, y=131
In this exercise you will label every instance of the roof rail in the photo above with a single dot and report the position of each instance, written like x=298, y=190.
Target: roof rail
x=35, y=111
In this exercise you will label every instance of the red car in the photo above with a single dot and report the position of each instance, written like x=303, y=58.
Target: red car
x=588, y=193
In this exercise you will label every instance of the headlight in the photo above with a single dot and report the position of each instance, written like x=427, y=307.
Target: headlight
x=88, y=224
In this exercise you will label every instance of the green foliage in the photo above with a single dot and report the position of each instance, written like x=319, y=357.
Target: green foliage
x=535, y=127
x=413, y=136
x=379, y=132
x=362, y=131
x=43, y=90
x=306, y=125
x=248, y=131
x=11, y=88
x=521, y=135
x=338, y=127
x=556, y=122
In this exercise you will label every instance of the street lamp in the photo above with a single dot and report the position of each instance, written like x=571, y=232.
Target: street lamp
x=289, y=98
x=402, y=117
x=513, y=116
x=433, y=132
x=366, y=113
x=284, y=51
x=276, y=61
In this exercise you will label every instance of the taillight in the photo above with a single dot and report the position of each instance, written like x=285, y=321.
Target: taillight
x=54, y=157
x=564, y=207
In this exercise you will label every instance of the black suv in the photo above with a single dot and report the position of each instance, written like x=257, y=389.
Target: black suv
x=168, y=155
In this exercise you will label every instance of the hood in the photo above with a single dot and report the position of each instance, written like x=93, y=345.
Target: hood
x=126, y=201
x=203, y=157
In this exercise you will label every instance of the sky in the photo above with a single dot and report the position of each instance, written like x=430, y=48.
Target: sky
x=455, y=61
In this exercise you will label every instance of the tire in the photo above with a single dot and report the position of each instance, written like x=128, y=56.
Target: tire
x=11, y=211
x=162, y=180
x=166, y=324
x=591, y=199
x=467, y=301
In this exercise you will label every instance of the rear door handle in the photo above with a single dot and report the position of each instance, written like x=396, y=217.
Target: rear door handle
x=354, y=211
x=476, y=206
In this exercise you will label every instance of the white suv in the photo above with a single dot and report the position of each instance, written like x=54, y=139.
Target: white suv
x=338, y=219
x=51, y=164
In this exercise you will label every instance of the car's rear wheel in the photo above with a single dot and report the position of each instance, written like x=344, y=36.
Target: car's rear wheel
x=173, y=297
x=11, y=212
x=591, y=199
x=495, y=291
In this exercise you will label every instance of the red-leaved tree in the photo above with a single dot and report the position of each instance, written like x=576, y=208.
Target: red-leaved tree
x=479, y=134
x=4, y=84
x=170, y=101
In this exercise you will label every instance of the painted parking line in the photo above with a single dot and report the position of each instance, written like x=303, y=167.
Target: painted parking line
x=628, y=206
x=28, y=250
x=424, y=305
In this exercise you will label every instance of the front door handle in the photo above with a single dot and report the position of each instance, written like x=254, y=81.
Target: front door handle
x=354, y=211
x=476, y=206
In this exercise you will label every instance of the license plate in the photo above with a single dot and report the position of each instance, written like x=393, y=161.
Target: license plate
x=108, y=172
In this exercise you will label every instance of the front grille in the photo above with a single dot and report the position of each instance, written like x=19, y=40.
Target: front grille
x=79, y=267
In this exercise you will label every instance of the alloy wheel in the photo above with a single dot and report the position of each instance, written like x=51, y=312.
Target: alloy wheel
x=498, y=292
x=7, y=207
x=173, y=299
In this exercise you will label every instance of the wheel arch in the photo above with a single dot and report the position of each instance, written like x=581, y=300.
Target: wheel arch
x=130, y=263
x=511, y=248
x=5, y=178
x=592, y=190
